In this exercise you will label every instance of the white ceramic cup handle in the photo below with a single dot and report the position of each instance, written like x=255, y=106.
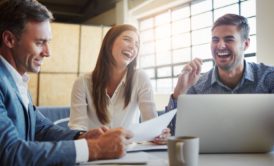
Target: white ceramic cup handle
x=179, y=152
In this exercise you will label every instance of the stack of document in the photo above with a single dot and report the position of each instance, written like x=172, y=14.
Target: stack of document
x=129, y=158
x=148, y=130
x=145, y=146
x=143, y=133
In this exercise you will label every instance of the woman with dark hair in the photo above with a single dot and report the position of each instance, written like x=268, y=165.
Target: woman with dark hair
x=114, y=92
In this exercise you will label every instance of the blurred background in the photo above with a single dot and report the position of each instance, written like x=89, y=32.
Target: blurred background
x=172, y=33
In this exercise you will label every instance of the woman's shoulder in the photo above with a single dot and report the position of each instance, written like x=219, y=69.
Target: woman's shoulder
x=84, y=78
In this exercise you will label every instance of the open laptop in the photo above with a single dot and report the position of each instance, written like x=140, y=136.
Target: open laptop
x=228, y=123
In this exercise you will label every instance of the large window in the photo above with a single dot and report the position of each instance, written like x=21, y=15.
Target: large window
x=173, y=37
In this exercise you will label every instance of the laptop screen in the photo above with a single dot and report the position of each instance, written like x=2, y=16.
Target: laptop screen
x=228, y=123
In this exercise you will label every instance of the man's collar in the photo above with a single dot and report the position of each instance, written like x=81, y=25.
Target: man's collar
x=248, y=73
x=214, y=77
x=15, y=75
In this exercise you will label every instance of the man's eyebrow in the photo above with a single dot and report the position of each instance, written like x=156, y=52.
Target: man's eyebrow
x=226, y=37
x=229, y=37
x=43, y=39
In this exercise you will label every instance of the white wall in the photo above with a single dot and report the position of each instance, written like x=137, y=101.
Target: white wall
x=265, y=31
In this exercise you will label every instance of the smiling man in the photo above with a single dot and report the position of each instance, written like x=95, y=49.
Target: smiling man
x=231, y=73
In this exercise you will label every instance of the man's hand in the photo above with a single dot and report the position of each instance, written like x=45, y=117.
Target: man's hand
x=109, y=145
x=189, y=76
x=94, y=133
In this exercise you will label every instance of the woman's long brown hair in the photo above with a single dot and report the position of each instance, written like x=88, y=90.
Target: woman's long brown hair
x=101, y=74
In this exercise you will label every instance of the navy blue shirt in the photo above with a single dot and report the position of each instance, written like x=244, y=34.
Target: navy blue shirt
x=257, y=78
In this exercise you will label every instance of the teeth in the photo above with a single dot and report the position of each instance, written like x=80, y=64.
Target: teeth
x=127, y=53
x=223, y=53
x=39, y=62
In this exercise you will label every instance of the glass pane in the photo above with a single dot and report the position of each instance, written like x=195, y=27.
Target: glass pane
x=181, y=55
x=147, y=60
x=251, y=59
x=147, y=48
x=163, y=45
x=163, y=58
x=164, y=85
x=201, y=21
x=248, y=8
x=233, y=9
x=201, y=51
x=164, y=72
x=174, y=82
x=163, y=31
x=153, y=83
x=200, y=7
x=207, y=66
x=201, y=36
x=180, y=13
x=252, y=47
x=146, y=35
x=252, y=25
x=162, y=18
x=150, y=73
x=221, y=3
x=180, y=41
x=145, y=24
x=181, y=26
x=177, y=70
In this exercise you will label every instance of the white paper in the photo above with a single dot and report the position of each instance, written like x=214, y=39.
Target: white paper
x=143, y=146
x=129, y=158
x=148, y=130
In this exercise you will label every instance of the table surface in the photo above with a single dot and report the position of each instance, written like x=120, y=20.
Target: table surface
x=160, y=158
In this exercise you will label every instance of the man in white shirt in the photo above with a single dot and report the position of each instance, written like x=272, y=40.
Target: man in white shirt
x=27, y=137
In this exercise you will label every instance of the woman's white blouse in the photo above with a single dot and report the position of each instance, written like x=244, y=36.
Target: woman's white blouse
x=83, y=115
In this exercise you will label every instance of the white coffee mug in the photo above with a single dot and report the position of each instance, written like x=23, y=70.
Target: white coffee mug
x=183, y=151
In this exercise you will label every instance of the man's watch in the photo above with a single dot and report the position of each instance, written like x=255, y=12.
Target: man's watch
x=78, y=134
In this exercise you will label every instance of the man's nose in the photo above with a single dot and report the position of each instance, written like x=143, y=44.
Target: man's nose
x=46, y=50
x=221, y=44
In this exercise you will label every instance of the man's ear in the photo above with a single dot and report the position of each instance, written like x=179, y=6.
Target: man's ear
x=246, y=43
x=8, y=39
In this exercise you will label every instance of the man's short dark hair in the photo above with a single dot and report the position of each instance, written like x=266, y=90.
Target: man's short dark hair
x=14, y=14
x=233, y=19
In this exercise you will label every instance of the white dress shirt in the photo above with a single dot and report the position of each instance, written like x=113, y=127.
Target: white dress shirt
x=21, y=82
x=83, y=115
